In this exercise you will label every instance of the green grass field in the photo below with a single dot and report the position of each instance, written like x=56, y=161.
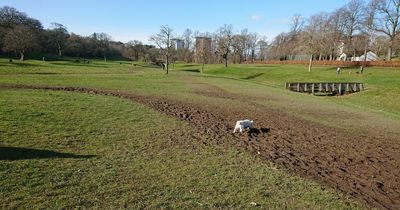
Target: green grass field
x=96, y=151
x=71, y=150
x=382, y=84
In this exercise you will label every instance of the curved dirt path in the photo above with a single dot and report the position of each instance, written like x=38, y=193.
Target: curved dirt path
x=364, y=166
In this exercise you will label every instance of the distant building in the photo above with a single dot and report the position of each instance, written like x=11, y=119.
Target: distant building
x=203, y=49
x=370, y=57
x=178, y=43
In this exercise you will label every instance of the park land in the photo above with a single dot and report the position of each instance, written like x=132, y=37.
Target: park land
x=116, y=135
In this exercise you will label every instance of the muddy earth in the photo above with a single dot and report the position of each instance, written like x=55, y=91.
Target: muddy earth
x=361, y=164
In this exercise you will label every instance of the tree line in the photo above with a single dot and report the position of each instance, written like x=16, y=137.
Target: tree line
x=353, y=29
x=21, y=34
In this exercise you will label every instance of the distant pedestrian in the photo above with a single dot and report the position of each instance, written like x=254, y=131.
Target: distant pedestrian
x=163, y=66
x=361, y=69
x=338, y=70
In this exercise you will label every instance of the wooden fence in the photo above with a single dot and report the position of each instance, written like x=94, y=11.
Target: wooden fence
x=331, y=88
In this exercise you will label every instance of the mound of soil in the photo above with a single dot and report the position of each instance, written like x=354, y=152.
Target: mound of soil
x=360, y=164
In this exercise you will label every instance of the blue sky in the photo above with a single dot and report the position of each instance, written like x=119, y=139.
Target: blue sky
x=128, y=20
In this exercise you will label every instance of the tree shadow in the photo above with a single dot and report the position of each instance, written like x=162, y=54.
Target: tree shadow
x=16, y=153
x=44, y=73
x=80, y=65
x=192, y=70
x=265, y=65
x=152, y=66
x=189, y=65
x=254, y=76
x=24, y=64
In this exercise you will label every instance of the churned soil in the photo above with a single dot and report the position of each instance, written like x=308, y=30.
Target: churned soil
x=361, y=164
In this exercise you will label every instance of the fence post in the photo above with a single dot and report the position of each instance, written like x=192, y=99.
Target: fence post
x=312, y=88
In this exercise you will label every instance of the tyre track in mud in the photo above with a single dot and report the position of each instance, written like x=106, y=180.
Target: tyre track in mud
x=358, y=164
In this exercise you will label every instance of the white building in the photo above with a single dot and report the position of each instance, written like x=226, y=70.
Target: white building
x=370, y=57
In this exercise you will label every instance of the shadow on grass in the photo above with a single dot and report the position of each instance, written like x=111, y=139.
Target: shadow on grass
x=254, y=76
x=80, y=65
x=43, y=73
x=16, y=153
x=148, y=66
x=265, y=66
x=192, y=70
x=189, y=65
x=24, y=64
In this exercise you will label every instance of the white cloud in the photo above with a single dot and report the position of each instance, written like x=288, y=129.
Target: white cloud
x=255, y=17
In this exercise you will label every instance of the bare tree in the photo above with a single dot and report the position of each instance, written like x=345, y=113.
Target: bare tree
x=286, y=44
x=244, y=33
x=188, y=40
x=224, y=41
x=238, y=47
x=293, y=37
x=313, y=35
x=279, y=46
x=76, y=45
x=58, y=37
x=102, y=42
x=20, y=39
x=10, y=18
x=133, y=50
x=368, y=24
x=388, y=21
x=353, y=12
x=163, y=41
x=336, y=27
x=379, y=45
x=297, y=24
x=263, y=48
x=204, y=58
x=252, y=45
